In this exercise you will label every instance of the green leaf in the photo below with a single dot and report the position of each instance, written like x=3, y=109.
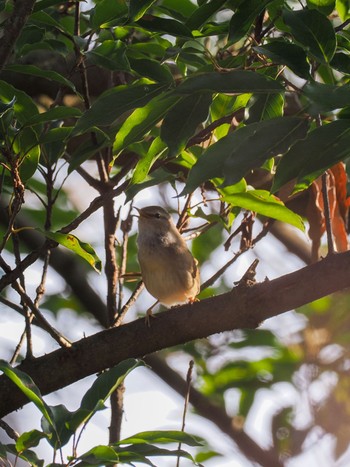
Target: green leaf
x=106, y=11
x=29, y=456
x=313, y=31
x=246, y=148
x=110, y=55
x=35, y=71
x=341, y=62
x=322, y=148
x=323, y=6
x=115, y=102
x=137, y=8
x=165, y=25
x=100, y=390
x=80, y=248
x=156, y=149
x=232, y=82
x=6, y=106
x=155, y=178
x=99, y=455
x=29, y=439
x=162, y=437
x=202, y=14
x=24, y=106
x=141, y=452
x=183, y=119
x=286, y=53
x=142, y=120
x=266, y=204
x=56, y=113
x=55, y=134
x=26, y=145
x=264, y=107
x=88, y=148
x=26, y=385
x=244, y=17
x=151, y=69
x=327, y=97
x=343, y=8
x=62, y=433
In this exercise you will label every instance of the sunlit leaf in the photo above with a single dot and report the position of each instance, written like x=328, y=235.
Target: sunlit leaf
x=156, y=149
x=264, y=107
x=29, y=439
x=142, y=120
x=266, y=204
x=80, y=248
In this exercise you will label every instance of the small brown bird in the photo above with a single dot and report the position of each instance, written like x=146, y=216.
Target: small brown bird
x=168, y=269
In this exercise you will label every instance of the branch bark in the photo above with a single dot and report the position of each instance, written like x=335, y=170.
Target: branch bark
x=243, y=307
x=13, y=28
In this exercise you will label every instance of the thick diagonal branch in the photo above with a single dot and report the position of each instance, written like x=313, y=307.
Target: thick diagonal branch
x=243, y=307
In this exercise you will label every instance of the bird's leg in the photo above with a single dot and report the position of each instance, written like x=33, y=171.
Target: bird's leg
x=149, y=314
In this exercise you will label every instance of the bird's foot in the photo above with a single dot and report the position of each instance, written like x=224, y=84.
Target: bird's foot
x=148, y=317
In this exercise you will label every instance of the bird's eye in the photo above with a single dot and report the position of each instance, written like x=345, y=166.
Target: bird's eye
x=157, y=215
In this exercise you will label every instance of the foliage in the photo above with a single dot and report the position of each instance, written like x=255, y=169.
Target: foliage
x=59, y=425
x=235, y=107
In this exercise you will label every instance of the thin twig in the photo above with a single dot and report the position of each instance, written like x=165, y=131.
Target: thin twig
x=59, y=338
x=342, y=26
x=138, y=289
x=221, y=271
x=28, y=331
x=125, y=227
x=327, y=213
x=183, y=215
x=95, y=204
x=187, y=398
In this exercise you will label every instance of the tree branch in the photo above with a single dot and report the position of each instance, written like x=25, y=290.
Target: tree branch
x=243, y=307
x=13, y=28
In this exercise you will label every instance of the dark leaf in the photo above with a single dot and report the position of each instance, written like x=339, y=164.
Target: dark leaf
x=232, y=82
x=181, y=122
x=314, y=31
x=114, y=102
x=286, y=53
x=322, y=148
x=244, y=17
x=244, y=149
